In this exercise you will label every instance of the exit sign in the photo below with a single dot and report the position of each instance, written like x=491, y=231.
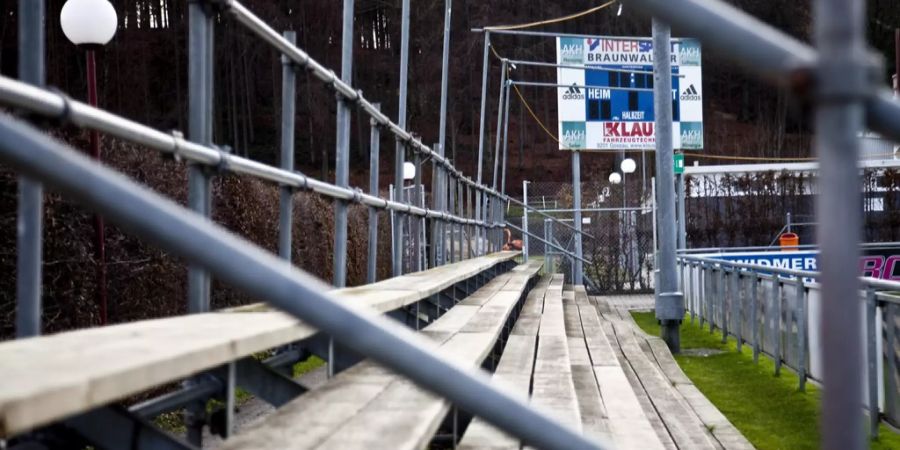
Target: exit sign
x=679, y=163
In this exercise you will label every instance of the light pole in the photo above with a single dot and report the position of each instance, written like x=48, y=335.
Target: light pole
x=91, y=24
x=628, y=166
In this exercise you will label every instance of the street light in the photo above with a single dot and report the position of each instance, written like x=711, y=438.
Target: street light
x=628, y=166
x=615, y=178
x=91, y=24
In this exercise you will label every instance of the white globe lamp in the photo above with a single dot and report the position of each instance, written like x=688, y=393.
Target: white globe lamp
x=628, y=165
x=88, y=22
x=409, y=171
x=615, y=178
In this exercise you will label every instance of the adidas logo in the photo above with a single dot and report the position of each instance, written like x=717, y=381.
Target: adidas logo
x=573, y=92
x=690, y=94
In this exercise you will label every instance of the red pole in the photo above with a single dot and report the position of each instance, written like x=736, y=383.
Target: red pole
x=99, y=240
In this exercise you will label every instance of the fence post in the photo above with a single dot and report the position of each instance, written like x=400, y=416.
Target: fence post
x=200, y=113
x=737, y=307
x=777, y=313
x=479, y=198
x=451, y=208
x=30, y=213
x=416, y=231
x=288, y=111
x=342, y=152
x=872, y=356
x=399, y=155
x=374, y=150
x=754, y=311
x=801, y=334
x=577, y=268
x=525, y=220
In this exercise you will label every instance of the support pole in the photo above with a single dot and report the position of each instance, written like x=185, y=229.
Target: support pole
x=505, y=138
x=479, y=250
x=578, y=268
x=499, y=140
x=841, y=90
x=374, y=150
x=342, y=152
x=29, y=230
x=200, y=109
x=445, y=76
x=288, y=112
x=399, y=155
x=525, y=220
x=681, y=219
x=99, y=225
x=669, y=302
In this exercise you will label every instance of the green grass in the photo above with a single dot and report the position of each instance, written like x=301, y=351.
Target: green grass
x=767, y=409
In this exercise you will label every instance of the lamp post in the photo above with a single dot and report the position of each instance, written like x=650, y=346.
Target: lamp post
x=628, y=166
x=91, y=24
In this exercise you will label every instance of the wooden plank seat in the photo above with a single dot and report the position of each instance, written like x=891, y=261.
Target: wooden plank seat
x=559, y=355
x=49, y=378
x=367, y=406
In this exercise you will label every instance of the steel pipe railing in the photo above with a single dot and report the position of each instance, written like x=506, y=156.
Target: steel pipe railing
x=57, y=106
x=263, y=275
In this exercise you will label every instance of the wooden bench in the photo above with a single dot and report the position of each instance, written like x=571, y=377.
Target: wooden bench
x=559, y=355
x=49, y=378
x=367, y=406
x=682, y=416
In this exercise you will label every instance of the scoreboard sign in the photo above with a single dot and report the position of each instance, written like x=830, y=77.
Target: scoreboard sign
x=609, y=106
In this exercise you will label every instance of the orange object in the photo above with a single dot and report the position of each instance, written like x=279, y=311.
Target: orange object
x=789, y=242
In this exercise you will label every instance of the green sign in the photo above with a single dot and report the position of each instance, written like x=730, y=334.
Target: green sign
x=679, y=163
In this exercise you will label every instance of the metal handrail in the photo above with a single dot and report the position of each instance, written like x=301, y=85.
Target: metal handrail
x=53, y=105
x=262, y=275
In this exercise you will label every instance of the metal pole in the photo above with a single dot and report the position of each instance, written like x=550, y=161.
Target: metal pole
x=525, y=220
x=682, y=218
x=788, y=218
x=99, y=239
x=288, y=112
x=200, y=131
x=342, y=152
x=29, y=229
x=841, y=88
x=669, y=302
x=505, y=139
x=399, y=154
x=481, y=130
x=203, y=243
x=499, y=140
x=200, y=107
x=576, y=200
x=414, y=231
x=445, y=76
x=374, y=150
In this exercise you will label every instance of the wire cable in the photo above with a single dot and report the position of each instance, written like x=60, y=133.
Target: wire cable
x=551, y=21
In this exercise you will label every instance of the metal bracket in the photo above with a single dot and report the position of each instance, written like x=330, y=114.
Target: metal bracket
x=115, y=427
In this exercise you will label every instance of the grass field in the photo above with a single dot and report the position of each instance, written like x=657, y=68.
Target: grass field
x=768, y=410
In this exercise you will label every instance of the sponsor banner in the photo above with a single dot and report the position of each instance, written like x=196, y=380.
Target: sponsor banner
x=615, y=99
x=875, y=263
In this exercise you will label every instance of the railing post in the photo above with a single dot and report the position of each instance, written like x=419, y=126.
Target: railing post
x=374, y=150
x=288, y=112
x=578, y=269
x=200, y=127
x=416, y=231
x=525, y=220
x=470, y=229
x=842, y=85
x=400, y=152
x=872, y=357
x=801, y=334
x=754, y=311
x=30, y=213
x=479, y=195
x=777, y=313
x=342, y=152
x=737, y=308
x=451, y=208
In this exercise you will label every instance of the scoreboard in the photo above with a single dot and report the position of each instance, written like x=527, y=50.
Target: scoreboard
x=605, y=101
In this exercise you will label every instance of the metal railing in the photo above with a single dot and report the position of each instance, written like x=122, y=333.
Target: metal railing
x=836, y=77
x=776, y=311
